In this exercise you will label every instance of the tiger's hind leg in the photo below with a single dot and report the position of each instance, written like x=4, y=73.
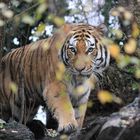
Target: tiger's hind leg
x=59, y=103
x=22, y=111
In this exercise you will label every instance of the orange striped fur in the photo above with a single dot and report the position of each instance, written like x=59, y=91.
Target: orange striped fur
x=77, y=51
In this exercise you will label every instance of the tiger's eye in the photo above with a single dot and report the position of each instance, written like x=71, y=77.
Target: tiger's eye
x=90, y=50
x=73, y=50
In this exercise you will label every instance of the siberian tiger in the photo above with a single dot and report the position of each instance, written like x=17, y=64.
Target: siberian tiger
x=75, y=49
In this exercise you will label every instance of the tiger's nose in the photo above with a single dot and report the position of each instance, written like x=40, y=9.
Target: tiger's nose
x=80, y=68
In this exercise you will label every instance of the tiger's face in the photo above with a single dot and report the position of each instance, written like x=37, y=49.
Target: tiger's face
x=81, y=51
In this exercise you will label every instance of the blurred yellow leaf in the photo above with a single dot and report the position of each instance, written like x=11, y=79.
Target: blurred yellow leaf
x=8, y=13
x=90, y=104
x=1, y=22
x=114, y=50
x=59, y=75
x=123, y=60
x=57, y=20
x=2, y=5
x=45, y=45
x=114, y=13
x=82, y=108
x=137, y=73
x=62, y=93
x=135, y=30
x=128, y=15
x=121, y=9
x=67, y=105
x=117, y=99
x=41, y=1
x=64, y=137
x=105, y=97
x=28, y=1
x=106, y=41
x=91, y=82
x=80, y=90
x=42, y=7
x=130, y=47
x=118, y=33
x=61, y=67
x=41, y=27
x=81, y=60
x=27, y=19
x=13, y=87
x=60, y=71
x=135, y=60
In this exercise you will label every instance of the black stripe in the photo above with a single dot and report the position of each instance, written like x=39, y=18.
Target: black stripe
x=82, y=96
x=38, y=67
x=40, y=75
x=28, y=77
x=25, y=66
x=96, y=41
x=88, y=32
x=76, y=36
x=3, y=81
x=105, y=61
x=98, y=75
x=96, y=45
x=87, y=36
x=25, y=56
x=32, y=86
x=17, y=69
x=11, y=65
x=101, y=58
x=37, y=72
x=64, y=59
x=17, y=103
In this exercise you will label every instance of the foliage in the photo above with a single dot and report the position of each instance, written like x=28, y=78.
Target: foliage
x=29, y=18
x=21, y=20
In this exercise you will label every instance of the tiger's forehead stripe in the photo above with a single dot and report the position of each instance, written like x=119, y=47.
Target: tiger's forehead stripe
x=84, y=33
x=82, y=29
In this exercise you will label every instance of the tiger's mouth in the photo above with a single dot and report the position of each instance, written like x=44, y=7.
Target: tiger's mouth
x=82, y=73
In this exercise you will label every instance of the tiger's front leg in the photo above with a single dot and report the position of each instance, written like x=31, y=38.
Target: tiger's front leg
x=79, y=101
x=80, y=114
x=59, y=103
x=80, y=109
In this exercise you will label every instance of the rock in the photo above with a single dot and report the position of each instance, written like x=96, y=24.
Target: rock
x=121, y=133
x=38, y=128
x=122, y=125
x=126, y=117
x=15, y=131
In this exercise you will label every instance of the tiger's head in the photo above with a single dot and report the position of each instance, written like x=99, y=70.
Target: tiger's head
x=83, y=52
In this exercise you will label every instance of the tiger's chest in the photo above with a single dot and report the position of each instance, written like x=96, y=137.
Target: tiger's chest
x=78, y=90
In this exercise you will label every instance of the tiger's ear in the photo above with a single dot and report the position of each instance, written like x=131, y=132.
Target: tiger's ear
x=102, y=27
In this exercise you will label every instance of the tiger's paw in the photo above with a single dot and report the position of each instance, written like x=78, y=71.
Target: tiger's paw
x=68, y=127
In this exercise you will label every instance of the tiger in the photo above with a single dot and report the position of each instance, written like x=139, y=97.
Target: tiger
x=75, y=49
